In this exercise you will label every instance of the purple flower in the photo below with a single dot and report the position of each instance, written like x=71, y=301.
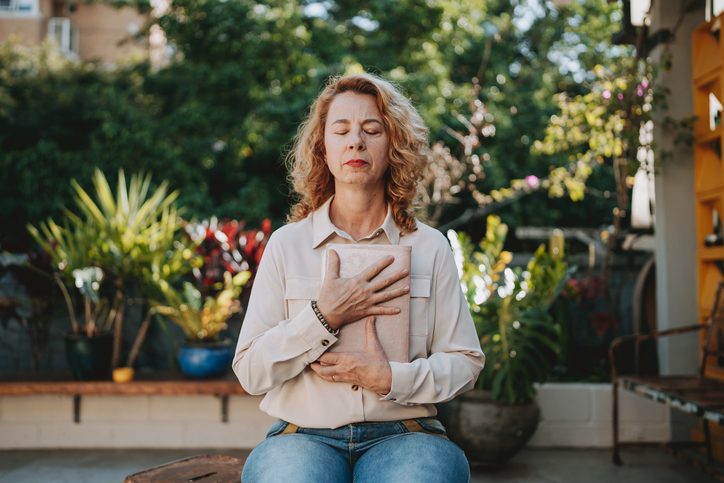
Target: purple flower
x=640, y=92
x=620, y=96
x=532, y=181
x=606, y=94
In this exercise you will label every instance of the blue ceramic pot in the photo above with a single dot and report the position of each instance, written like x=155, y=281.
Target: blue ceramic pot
x=204, y=360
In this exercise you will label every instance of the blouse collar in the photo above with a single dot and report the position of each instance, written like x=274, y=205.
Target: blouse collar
x=323, y=226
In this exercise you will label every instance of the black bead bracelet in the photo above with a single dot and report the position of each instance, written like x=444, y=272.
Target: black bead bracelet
x=322, y=320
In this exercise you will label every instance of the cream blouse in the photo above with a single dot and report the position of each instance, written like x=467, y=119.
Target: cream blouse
x=281, y=335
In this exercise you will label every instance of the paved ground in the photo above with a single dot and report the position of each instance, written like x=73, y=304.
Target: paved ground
x=592, y=466
x=531, y=465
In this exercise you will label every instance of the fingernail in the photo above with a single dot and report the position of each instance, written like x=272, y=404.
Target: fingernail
x=405, y=272
x=406, y=288
x=391, y=258
x=397, y=310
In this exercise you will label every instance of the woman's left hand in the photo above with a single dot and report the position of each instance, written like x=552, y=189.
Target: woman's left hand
x=369, y=368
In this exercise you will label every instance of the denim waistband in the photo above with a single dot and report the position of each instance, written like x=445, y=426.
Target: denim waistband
x=357, y=432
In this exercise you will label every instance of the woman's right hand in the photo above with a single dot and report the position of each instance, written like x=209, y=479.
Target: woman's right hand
x=344, y=300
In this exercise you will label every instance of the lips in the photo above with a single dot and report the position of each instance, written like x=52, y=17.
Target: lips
x=356, y=163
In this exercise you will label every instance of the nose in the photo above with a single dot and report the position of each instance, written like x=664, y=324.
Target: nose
x=356, y=142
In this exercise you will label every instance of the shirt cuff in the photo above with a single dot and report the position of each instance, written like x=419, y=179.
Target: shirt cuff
x=308, y=326
x=403, y=376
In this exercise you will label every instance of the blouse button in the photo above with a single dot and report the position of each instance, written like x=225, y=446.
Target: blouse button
x=325, y=342
x=354, y=388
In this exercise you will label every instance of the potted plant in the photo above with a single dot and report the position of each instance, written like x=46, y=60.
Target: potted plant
x=204, y=353
x=128, y=239
x=518, y=336
x=89, y=345
x=89, y=349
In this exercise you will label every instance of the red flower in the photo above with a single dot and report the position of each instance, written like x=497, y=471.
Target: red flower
x=602, y=322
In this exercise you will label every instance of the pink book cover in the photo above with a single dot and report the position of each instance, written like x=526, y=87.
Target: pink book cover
x=392, y=330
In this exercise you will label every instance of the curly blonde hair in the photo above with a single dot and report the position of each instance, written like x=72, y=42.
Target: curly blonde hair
x=408, y=147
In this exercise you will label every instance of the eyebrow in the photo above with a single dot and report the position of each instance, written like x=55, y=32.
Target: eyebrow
x=366, y=121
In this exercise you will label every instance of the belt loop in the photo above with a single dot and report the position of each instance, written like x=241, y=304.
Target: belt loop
x=414, y=427
x=290, y=429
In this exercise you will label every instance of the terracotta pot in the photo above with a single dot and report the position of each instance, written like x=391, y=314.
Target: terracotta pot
x=89, y=358
x=489, y=432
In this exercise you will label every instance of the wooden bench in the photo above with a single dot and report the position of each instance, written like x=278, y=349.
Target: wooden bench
x=696, y=394
x=202, y=468
x=150, y=383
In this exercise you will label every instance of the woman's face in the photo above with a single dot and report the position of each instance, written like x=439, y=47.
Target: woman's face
x=355, y=141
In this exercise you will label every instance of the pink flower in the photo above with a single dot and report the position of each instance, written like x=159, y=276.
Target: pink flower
x=606, y=94
x=532, y=181
x=620, y=96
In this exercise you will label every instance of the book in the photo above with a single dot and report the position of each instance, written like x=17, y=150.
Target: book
x=392, y=330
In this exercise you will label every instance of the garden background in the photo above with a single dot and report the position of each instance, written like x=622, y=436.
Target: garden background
x=215, y=118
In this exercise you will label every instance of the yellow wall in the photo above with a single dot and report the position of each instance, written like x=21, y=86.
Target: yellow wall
x=28, y=30
x=100, y=28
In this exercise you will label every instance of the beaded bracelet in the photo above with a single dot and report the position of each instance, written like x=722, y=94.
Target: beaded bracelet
x=321, y=319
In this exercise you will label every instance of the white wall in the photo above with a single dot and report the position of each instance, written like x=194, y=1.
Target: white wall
x=579, y=415
x=676, y=278
x=573, y=415
x=46, y=421
x=675, y=204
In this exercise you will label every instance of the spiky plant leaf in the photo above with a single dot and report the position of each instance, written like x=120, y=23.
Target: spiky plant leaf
x=510, y=310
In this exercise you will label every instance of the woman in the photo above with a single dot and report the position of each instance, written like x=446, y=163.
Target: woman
x=355, y=416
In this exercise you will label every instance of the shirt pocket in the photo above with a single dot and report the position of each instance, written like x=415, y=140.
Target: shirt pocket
x=419, y=305
x=299, y=292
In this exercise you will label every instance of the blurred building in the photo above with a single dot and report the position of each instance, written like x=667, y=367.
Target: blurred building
x=85, y=30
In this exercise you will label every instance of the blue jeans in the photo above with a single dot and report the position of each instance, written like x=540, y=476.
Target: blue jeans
x=415, y=451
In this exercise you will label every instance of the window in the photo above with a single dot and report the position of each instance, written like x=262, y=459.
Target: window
x=15, y=7
x=65, y=33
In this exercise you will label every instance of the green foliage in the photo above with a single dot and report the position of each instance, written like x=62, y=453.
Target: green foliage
x=201, y=320
x=612, y=121
x=61, y=120
x=510, y=309
x=215, y=120
x=140, y=232
x=133, y=236
x=36, y=309
x=523, y=53
x=71, y=247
